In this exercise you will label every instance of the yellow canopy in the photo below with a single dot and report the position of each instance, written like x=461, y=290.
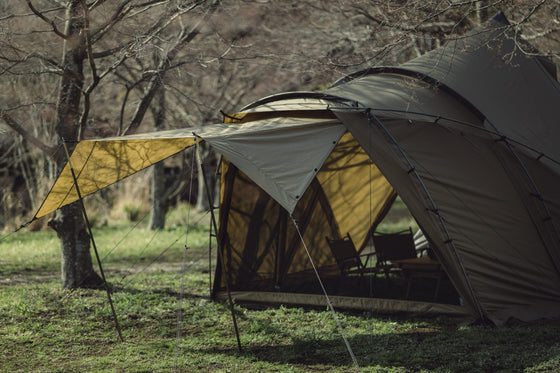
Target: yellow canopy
x=100, y=163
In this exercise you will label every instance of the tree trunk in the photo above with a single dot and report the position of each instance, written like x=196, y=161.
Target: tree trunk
x=159, y=194
x=76, y=265
x=159, y=201
x=77, y=269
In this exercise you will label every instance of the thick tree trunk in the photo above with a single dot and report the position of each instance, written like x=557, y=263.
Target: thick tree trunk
x=77, y=269
x=76, y=266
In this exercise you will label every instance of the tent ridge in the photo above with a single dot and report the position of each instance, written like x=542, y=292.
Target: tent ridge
x=437, y=118
x=438, y=84
x=295, y=95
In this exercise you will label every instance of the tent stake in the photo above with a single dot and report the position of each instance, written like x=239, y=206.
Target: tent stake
x=220, y=256
x=86, y=219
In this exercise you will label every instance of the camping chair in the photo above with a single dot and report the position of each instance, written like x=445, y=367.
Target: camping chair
x=397, y=252
x=393, y=246
x=347, y=258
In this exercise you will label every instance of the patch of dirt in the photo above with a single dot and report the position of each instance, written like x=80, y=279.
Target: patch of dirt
x=41, y=276
x=26, y=278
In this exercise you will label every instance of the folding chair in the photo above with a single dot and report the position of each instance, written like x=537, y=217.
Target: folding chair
x=393, y=246
x=347, y=258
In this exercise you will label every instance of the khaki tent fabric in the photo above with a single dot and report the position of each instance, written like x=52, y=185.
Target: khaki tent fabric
x=515, y=93
x=264, y=250
x=451, y=132
x=494, y=257
x=260, y=150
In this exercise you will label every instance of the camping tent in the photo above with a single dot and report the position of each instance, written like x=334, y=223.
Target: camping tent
x=467, y=135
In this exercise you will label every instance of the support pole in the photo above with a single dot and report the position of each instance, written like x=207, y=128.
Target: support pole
x=88, y=225
x=220, y=256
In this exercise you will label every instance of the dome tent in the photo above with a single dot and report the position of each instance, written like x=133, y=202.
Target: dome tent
x=466, y=135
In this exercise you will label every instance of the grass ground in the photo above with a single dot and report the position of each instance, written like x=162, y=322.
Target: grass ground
x=169, y=323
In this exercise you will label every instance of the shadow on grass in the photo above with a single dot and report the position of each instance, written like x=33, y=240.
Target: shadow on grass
x=155, y=291
x=469, y=349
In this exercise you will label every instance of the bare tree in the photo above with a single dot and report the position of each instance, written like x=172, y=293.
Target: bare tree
x=404, y=29
x=98, y=40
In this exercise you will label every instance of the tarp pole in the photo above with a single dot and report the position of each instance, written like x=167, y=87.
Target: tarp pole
x=215, y=226
x=88, y=225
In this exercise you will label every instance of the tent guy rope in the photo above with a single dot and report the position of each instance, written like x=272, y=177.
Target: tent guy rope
x=329, y=303
x=84, y=213
x=215, y=227
x=183, y=269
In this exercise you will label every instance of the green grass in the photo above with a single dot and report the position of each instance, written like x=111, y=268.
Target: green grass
x=398, y=219
x=47, y=329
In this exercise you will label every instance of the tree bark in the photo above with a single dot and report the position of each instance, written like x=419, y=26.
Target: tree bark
x=76, y=265
x=76, y=269
x=159, y=201
x=159, y=194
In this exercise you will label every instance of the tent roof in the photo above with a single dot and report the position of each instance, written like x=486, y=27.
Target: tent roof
x=515, y=92
x=516, y=98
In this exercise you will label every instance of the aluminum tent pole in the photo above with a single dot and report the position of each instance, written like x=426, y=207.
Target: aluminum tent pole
x=215, y=226
x=88, y=225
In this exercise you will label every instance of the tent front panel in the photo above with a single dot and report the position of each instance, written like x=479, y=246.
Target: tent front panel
x=262, y=248
x=485, y=237
x=358, y=194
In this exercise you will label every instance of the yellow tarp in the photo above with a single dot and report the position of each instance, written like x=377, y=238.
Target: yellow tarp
x=99, y=163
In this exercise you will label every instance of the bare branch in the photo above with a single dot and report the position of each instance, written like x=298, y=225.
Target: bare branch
x=112, y=51
x=156, y=81
x=13, y=124
x=95, y=78
x=49, y=21
x=119, y=14
x=14, y=62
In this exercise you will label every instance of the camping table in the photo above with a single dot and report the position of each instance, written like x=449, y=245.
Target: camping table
x=423, y=267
